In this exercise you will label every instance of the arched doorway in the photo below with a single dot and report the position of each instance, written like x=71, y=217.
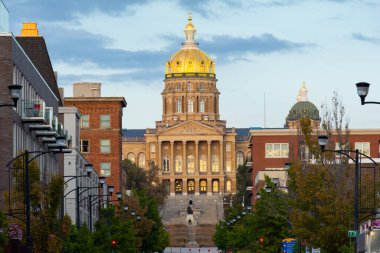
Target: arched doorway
x=215, y=186
x=203, y=186
x=178, y=186
x=190, y=186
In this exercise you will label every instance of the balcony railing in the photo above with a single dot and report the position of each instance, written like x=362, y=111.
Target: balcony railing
x=47, y=125
x=33, y=110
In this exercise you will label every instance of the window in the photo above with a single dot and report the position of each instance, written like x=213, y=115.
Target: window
x=178, y=164
x=202, y=105
x=189, y=85
x=141, y=160
x=228, y=186
x=228, y=147
x=190, y=105
x=228, y=166
x=239, y=159
x=190, y=186
x=152, y=148
x=190, y=164
x=85, y=121
x=179, y=105
x=105, y=120
x=214, y=163
x=203, y=186
x=131, y=157
x=363, y=147
x=84, y=146
x=178, y=86
x=105, y=169
x=215, y=186
x=201, y=86
x=203, y=164
x=105, y=146
x=276, y=150
x=165, y=164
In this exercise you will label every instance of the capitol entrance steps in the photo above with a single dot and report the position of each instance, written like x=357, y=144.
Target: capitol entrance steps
x=196, y=229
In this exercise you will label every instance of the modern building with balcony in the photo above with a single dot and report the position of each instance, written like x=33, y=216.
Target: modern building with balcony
x=79, y=172
x=33, y=125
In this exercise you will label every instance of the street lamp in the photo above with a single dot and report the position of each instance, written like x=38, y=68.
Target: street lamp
x=15, y=92
x=362, y=89
x=323, y=140
x=27, y=161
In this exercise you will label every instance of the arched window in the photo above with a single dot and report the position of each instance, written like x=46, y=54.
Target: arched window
x=179, y=105
x=228, y=186
x=202, y=105
x=165, y=164
x=215, y=186
x=178, y=164
x=141, y=160
x=203, y=163
x=131, y=157
x=203, y=186
x=239, y=159
x=190, y=105
x=190, y=164
x=214, y=163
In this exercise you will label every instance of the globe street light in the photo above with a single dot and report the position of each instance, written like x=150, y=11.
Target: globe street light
x=362, y=89
x=15, y=92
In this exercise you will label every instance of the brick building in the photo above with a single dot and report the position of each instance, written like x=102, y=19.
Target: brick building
x=100, y=130
x=273, y=147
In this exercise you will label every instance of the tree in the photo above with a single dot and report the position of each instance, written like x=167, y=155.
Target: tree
x=3, y=232
x=320, y=186
x=79, y=241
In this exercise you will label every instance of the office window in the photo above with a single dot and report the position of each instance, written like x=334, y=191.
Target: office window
x=165, y=164
x=178, y=164
x=105, y=120
x=85, y=121
x=203, y=163
x=363, y=147
x=228, y=166
x=202, y=105
x=84, y=146
x=190, y=164
x=105, y=146
x=214, y=163
x=179, y=105
x=141, y=160
x=105, y=169
x=215, y=186
x=131, y=157
x=276, y=150
x=190, y=105
x=239, y=159
x=228, y=186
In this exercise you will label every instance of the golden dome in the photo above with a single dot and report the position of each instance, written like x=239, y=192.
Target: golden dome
x=190, y=60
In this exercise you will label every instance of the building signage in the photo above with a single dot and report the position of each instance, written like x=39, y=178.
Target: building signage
x=288, y=245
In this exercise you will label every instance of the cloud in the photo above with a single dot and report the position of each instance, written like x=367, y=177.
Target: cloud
x=361, y=37
x=62, y=10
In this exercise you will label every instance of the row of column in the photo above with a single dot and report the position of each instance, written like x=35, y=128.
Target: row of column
x=184, y=157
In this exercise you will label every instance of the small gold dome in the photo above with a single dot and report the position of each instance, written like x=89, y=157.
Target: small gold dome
x=190, y=61
x=189, y=26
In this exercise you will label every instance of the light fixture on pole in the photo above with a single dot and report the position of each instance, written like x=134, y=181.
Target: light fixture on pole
x=362, y=89
x=15, y=92
x=111, y=189
x=287, y=166
x=102, y=181
x=322, y=141
x=89, y=169
x=118, y=196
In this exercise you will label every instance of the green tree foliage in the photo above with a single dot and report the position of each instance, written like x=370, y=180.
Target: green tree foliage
x=3, y=232
x=79, y=241
x=321, y=190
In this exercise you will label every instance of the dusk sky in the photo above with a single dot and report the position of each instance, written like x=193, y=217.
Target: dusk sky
x=260, y=47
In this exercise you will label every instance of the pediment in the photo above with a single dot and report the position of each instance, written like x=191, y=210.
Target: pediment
x=191, y=128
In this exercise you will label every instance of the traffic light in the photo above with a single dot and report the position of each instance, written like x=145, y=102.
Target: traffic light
x=261, y=240
x=113, y=243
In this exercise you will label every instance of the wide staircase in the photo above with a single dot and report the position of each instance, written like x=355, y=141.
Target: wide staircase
x=207, y=211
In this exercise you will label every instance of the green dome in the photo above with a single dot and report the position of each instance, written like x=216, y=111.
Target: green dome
x=303, y=109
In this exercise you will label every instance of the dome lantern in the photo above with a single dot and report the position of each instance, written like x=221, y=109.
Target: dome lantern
x=190, y=31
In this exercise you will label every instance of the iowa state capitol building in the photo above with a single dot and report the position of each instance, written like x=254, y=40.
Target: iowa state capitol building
x=195, y=151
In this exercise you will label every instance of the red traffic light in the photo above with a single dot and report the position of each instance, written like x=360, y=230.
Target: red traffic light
x=261, y=240
x=113, y=242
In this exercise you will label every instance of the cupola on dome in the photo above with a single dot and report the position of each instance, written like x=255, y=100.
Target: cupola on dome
x=190, y=60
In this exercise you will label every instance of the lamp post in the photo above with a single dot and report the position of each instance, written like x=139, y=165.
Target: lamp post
x=323, y=140
x=362, y=89
x=15, y=92
x=27, y=161
x=89, y=170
